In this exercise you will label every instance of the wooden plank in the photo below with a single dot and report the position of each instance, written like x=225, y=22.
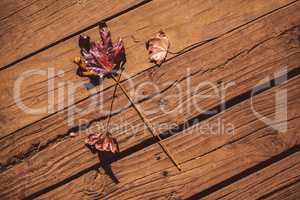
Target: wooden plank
x=194, y=22
x=8, y=9
x=246, y=68
x=207, y=157
x=88, y=187
x=28, y=26
x=286, y=193
x=258, y=185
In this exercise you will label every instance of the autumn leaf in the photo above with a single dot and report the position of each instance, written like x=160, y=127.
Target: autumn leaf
x=102, y=142
x=100, y=58
x=158, y=47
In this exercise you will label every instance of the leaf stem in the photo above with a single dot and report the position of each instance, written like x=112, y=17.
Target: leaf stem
x=148, y=124
x=112, y=101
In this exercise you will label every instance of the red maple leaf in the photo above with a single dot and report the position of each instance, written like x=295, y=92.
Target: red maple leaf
x=103, y=57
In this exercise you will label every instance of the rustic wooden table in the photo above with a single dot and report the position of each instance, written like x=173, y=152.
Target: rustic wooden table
x=226, y=50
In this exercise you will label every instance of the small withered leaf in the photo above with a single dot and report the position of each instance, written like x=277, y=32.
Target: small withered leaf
x=158, y=47
x=102, y=142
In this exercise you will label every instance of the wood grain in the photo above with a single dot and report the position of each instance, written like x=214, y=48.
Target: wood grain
x=194, y=22
x=247, y=66
x=290, y=192
x=8, y=8
x=207, y=157
x=28, y=26
x=258, y=185
x=87, y=187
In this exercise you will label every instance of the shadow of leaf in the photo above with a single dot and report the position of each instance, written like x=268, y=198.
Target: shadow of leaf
x=105, y=159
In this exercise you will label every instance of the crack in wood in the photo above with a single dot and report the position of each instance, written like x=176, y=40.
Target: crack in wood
x=274, y=175
x=248, y=51
x=15, y=12
x=245, y=173
x=277, y=190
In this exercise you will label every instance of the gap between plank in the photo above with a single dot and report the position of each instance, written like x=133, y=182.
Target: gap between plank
x=245, y=173
x=277, y=190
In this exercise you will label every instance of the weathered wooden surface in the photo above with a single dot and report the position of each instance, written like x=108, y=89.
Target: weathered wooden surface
x=265, y=183
x=199, y=60
x=31, y=25
x=188, y=27
x=8, y=8
x=240, y=45
x=210, y=159
x=290, y=192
